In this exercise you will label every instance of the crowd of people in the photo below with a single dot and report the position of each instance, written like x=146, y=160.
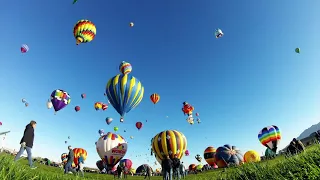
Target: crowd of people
x=173, y=169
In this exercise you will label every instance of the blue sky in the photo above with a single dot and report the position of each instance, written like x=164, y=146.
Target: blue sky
x=248, y=79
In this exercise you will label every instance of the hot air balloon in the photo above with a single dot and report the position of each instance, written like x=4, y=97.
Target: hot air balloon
x=23, y=100
x=131, y=24
x=252, y=156
x=270, y=137
x=77, y=153
x=126, y=162
x=125, y=67
x=115, y=129
x=142, y=168
x=187, y=153
x=197, y=114
x=77, y=108
x=109, y=120
x=209, y=154
x=111, y=148
x=24, y=48
x=100, y=165
x=84, y=31
x=124, y=92
x=218, y=33
x=169, y=143
x=83, y=96
x=198, y=120
x=198, y=158
x=60, y=99
x=190, y=120
x=64, y=158
x=26, y=104
x=49, y=104
x=104, y=106
x=227, y=154
x=74, y=1
x=98, y=105
x=131, y=137
x=269, y=154
x=65, y=142
x=101, y=132
x=199, y=167
x=68, y=137
x=139, y=125
x=187, y=109
x=297, y=50
x=155, y=98
x=0, y=123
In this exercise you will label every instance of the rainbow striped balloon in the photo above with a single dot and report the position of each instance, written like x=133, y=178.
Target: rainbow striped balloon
x=125, y=67
x=84, y=31
x=270, y=137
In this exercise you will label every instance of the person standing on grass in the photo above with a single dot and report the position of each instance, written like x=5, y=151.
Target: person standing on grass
x=80, y=166
x=68, y=167
x=166, y=166
x=181, y=171
x=27, y=143
x=147, y=169
x=119, y=171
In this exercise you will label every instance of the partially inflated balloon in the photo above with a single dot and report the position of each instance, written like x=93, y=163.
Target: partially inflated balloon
x=126, y=162
x=209, y=154
x=84, y=31
x=60, y=99
x=228, y=154
x=169, y=143
x=111, y=148
x=77, y=153
x=124, y=92
x=251, y=156
x=100, y=165
x=270, y=137
x=64, y=157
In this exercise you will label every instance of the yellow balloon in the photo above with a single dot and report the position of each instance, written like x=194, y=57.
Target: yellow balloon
x=252, y=156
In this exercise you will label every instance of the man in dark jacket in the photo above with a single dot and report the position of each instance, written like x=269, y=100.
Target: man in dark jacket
x=176, y=164
x=147, y=169
x=68, y=167
x=27, y=143
x=167, y=168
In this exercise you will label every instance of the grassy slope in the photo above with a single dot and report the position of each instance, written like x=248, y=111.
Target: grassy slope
x=303, y=166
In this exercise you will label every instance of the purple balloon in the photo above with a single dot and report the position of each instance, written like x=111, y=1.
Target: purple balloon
x=60, y=99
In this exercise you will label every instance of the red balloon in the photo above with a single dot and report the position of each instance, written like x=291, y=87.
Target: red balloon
x=77, y=108
x=139, y=125
x=83, y=96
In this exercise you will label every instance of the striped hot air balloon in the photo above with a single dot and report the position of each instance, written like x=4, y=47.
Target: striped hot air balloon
x=64, y=158
x=155, y=98
x=209, y=154
x=77, y=153
x=125, y=67
x=270, y=137
x=169, y=143
x=124, y=92
x=84, y=31
x=24, y=48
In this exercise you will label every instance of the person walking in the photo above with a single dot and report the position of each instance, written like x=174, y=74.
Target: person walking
x=176, y=165
x=68, y=166
x=147, y=169
x=181, y=170
x=27, y=143
x=119, y=171
x=167, y=168
x=80, y=166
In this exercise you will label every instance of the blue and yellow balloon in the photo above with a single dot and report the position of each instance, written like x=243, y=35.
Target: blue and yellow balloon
x=124, y=92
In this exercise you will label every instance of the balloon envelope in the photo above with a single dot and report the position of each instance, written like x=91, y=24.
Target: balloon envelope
x=124, y=92
x=252, y=156
x=111, y=148
x=169, y=143
x=60, y=99
x=270, y=137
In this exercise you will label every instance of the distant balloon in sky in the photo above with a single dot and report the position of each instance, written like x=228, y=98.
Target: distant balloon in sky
x=109, y=120
x=131, y=24
x=84, y=31
x=218, y=33
x=24, y=48
x=83, y=96
x=60, y=99
x=297, y=50
x=125, y=67
x=49, y=104
x=77, y=108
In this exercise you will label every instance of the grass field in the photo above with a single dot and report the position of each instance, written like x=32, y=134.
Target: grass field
x=303, y=166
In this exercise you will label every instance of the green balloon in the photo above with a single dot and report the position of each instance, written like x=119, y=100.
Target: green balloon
x=297, y=50
x=115, y=128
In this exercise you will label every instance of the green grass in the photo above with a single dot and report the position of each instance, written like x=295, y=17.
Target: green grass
x=303, y=166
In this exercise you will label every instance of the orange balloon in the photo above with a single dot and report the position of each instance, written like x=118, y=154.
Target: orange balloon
x=155, y=98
